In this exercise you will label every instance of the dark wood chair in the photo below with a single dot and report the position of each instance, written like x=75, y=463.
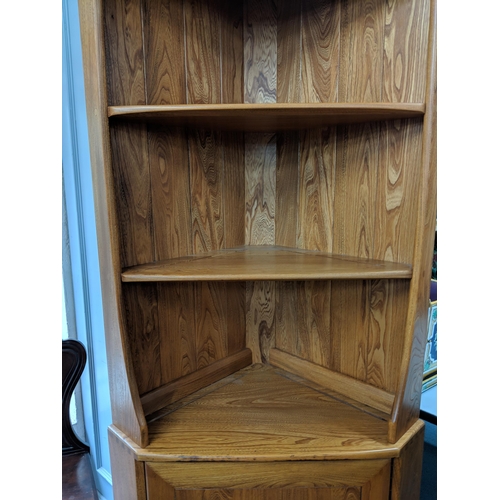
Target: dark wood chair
x=77, y=477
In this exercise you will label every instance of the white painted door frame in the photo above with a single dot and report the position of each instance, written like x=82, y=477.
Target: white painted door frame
x=83, y=268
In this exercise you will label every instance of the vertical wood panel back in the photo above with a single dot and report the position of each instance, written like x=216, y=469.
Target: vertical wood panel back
x=260, y=78
x=347, y=190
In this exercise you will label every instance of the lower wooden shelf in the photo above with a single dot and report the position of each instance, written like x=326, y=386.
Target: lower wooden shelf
x=264, y=414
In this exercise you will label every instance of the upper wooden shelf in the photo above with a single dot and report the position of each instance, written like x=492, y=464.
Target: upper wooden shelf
x=257, y=263
x=267, y=117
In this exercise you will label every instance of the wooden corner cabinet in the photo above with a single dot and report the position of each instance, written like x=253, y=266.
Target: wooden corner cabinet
x=265, y=186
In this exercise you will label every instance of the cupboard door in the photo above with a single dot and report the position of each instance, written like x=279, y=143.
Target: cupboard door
x=333, y=480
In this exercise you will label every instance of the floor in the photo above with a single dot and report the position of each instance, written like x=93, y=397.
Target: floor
x=77, y=479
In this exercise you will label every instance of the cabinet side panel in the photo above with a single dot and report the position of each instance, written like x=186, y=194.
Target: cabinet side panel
x=126, y=406
x=407, y=469
x=405, y=54
x=129, y=482
x=407, y=403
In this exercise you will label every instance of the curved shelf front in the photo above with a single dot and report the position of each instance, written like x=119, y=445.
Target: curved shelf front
x=266, y=117
x=264, y=263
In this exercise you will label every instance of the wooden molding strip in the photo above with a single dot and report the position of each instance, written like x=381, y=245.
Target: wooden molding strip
x=182, y=387
x=347, y=386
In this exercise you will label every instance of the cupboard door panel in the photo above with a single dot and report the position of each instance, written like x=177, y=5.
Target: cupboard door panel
x=337, y=480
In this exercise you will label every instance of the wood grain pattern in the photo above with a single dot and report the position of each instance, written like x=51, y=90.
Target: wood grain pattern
x=170, y=192
x=234, y=235
x=287, y=316
x=232, y=19
x=314, y=340
x=260, y=196
x=320, y=51
x=141, y=319
x=407, y=470
x=132, y=484
x=124, y=54
x=261, y=416
x=276, y=475
x=260, y=40
x=260, y=322
x=157, y=487
x=265, y=262
x=207, y=174
x=406, y=27
x=363, y=189
x=405, y=50
x=176, y=318
x=134, y=209
x=408, y=394
x=316, y=190
x=165, y=49
x=340, y=493
x=349, y=320
x=164, y=42
x=211, y=329
x=172, y=222
x=125, y=402
x=378, y=486
x=289, y=86
x=260, y=189
x=266, y=117
x=205, y=376
x=347, y=386
x=133, y=193
x=289, y=46
x=203, y=63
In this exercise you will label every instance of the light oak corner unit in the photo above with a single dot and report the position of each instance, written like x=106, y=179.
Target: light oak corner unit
x=265, y=186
